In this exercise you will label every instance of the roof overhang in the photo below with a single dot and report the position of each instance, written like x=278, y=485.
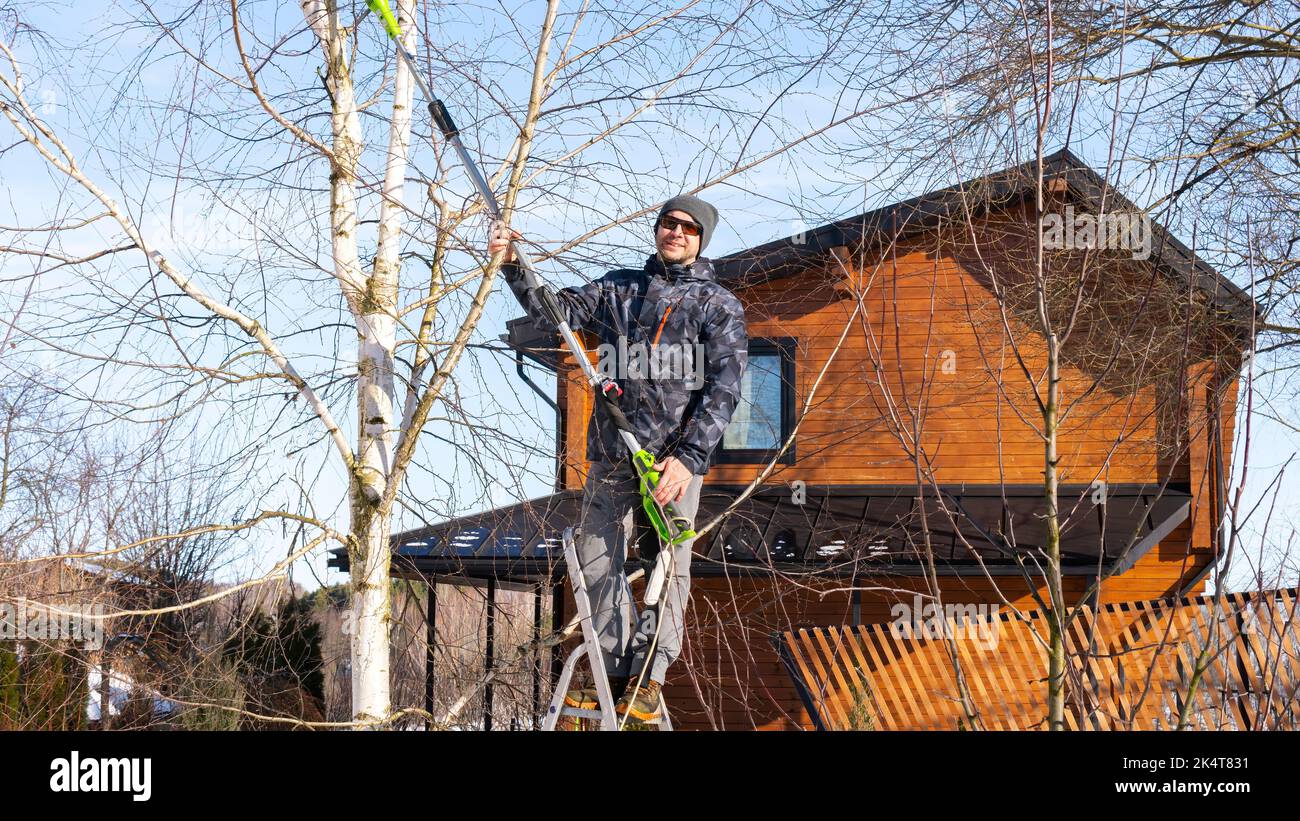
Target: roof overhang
x=840, y=530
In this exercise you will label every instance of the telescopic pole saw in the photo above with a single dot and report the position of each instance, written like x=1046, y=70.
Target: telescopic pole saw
x=673, y=528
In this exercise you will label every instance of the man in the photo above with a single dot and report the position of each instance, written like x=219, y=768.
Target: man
x=675, y=310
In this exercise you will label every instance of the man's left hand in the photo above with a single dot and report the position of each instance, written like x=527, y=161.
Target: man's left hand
x=674, y=478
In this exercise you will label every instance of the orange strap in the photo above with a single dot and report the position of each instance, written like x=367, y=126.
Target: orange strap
x=659, y=332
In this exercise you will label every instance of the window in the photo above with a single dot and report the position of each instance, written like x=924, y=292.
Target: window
x=763, y=419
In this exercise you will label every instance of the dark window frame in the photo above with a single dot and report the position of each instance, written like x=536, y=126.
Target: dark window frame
x=784, y=348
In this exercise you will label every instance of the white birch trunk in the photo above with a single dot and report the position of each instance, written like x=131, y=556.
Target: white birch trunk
x=373, y=303
x=377, y=407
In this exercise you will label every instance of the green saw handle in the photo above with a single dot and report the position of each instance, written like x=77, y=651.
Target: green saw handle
x=381, y=8
x=645, y=463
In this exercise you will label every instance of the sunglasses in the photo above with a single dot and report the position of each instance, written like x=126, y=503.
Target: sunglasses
x=690, y=229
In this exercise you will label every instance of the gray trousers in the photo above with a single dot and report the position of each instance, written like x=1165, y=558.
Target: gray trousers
x=611, y=520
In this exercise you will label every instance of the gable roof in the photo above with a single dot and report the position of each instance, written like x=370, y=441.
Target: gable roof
x=878, y=228
x=1000, y=189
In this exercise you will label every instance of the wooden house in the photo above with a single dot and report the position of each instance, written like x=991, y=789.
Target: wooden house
x=892, y=411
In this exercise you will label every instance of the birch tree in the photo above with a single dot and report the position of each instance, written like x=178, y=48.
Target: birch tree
x=304, y=134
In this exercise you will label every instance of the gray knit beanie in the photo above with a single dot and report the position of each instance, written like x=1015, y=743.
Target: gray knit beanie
x=703, y=213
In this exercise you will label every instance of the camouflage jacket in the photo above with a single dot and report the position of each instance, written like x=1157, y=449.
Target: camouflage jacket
x=673, y=339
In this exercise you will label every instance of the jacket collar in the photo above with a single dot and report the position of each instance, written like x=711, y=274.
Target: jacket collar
x=701, y=268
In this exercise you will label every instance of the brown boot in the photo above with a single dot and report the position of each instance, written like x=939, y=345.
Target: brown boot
x=586, y=698
x=645, y=707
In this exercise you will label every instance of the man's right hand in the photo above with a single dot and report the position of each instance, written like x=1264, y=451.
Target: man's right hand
x=497, y=242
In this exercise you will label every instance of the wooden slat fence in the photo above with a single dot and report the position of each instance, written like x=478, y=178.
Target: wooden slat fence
x=1226, y=662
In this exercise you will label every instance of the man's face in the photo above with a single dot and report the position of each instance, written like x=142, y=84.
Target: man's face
x=675, y=246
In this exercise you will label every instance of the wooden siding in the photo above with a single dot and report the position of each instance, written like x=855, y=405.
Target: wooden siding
x=881, y=400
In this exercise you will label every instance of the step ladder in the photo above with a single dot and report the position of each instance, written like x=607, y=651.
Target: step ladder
x=590, y=648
